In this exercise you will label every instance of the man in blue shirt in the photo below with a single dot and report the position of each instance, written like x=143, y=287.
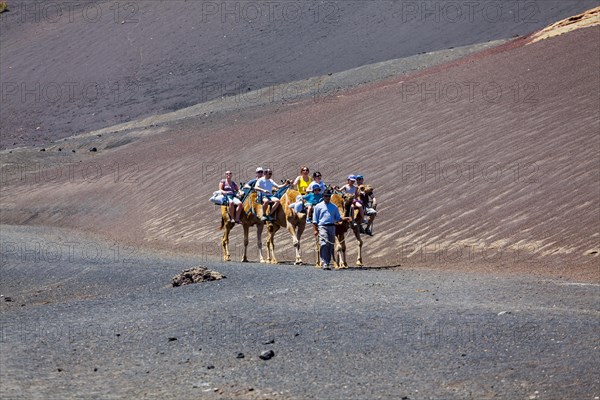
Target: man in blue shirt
x=325, y=216
x=259, y=174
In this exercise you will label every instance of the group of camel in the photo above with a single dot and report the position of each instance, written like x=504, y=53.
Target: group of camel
x=295, y=223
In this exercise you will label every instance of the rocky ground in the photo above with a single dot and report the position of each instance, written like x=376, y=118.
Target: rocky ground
x=116, y=328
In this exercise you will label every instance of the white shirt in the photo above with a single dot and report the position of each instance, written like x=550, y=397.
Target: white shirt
x=349, y=189
x=266, y=184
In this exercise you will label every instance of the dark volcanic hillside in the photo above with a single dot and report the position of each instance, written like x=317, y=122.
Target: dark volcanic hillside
x=70, y=67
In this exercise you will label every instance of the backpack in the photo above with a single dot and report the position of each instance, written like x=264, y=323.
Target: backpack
x=218, y=198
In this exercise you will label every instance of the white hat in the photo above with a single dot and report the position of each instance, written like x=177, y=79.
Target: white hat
x=260, y=169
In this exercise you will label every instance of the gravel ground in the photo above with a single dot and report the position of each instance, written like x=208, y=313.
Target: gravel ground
x=114, y=328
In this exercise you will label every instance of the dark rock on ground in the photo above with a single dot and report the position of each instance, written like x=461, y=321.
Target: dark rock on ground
x=195, y=275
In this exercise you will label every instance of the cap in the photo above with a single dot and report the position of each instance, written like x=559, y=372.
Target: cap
x=327, y=193
x=259, y=169
x=359, y=177
x=352, y=177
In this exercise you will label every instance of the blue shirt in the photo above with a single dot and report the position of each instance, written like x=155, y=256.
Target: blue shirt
x=313, y=198
x=326, y=214
x=314, y=183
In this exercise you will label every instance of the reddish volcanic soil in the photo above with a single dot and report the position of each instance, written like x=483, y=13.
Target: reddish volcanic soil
x=488, y=163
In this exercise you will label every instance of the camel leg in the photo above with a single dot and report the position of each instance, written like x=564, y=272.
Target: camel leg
x=299, y=231
x=269, y=235
x=246, y=234
x=259, y=229
x=295, y=241
x=359, y=260
x=341, y=252
x=270, y=244
x=272, y=229
x=225, y=242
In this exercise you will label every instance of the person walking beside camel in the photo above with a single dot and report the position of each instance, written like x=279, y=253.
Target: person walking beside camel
x=325, y=216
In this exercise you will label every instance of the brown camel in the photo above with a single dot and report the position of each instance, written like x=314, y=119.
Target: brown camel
x=294, y=223
x=343, y=202
x=250, y=216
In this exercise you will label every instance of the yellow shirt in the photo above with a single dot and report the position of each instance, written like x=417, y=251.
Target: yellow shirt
x=303, y=185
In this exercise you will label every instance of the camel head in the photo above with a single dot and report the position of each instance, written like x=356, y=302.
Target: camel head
x=365, y=189
x=348, y=199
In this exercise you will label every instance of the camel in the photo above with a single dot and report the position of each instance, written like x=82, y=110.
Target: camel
x=250, y=216
x=294, y=223
x=343, y=201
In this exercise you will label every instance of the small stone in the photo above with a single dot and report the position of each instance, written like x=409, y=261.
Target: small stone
x=269, y=342
x=73, y=151
x=267, y=355
x=7, y=299
x=210, y=367
x=59, y=149
x=59, y=369
x=95, y=369
x=240, y=355
x=172, y=339
x=93, y=149
x=42, y=149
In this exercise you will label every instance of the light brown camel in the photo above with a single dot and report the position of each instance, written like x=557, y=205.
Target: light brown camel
x=250, y=216
x=343, y=202
x=294, y=223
